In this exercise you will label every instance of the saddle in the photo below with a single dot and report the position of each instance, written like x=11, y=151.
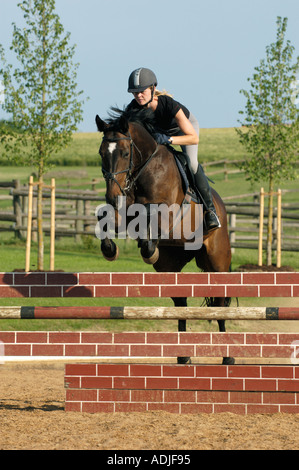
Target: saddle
x=184, y=166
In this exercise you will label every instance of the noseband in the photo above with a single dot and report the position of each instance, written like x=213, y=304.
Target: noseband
x=130, y=181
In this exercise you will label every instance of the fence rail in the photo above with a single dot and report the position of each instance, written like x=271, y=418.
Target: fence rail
x=75, y=215
x=75, y=210
x=227, y=167
x=243, y=226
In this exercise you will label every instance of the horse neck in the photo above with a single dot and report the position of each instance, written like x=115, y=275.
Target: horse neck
x=145, y=144
x=147, y=147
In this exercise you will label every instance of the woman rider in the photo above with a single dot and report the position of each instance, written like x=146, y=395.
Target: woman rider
x=174, y=125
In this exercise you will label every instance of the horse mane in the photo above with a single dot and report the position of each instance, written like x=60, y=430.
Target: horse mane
x=119, y=119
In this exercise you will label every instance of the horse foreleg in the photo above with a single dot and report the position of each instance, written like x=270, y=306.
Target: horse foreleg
x=149, y=251
x=148, y=246
x=109, y=249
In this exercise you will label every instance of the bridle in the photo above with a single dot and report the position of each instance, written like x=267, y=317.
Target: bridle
x=130, y=179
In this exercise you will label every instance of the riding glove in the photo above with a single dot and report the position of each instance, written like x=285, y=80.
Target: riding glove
x=162, y=139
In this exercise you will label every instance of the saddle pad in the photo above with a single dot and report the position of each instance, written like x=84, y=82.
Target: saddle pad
x=187, y=185
x=182, y=173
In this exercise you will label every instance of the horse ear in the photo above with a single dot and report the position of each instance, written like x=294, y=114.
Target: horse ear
x=101, y=125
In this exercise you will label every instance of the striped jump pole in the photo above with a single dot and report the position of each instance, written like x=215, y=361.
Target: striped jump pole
x=151, y=313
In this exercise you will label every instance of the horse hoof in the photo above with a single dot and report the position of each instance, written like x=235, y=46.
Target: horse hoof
x=153, y=259
x=113, y=258
x=228, y=361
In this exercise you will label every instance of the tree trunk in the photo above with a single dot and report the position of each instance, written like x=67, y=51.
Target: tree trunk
x=270, y=224
x=40, y=238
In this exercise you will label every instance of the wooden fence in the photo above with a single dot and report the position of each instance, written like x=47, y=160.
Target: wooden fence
x=227, y=168
x=75, y=215
x=243, y=218
x=75, y=210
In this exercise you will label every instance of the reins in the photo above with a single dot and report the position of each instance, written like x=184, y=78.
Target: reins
x=131, y=180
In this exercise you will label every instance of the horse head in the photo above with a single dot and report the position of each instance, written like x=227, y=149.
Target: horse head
x=117, y=159
x=121, y=156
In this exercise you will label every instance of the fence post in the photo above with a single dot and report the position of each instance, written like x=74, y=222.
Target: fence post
x=52, y=226
x=79, y=223
x=260, y=246
x=225, y=171
x=17, y=208
x=24, y=205
x=29, y=225
x=232, y=226
x=278, y=236
x=34, y=219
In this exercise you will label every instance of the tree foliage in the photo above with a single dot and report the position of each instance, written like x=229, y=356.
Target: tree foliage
x=40, y=93
x=270, y=127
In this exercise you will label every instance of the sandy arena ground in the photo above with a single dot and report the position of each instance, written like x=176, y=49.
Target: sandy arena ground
x=32, y=416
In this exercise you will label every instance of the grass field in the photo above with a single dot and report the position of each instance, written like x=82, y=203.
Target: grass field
x=77, y=167
x=214, y=144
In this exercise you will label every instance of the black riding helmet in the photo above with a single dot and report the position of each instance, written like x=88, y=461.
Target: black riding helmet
x=141, y=79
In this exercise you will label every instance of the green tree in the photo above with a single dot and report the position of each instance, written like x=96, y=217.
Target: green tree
x=271, y=120
x=40, y=94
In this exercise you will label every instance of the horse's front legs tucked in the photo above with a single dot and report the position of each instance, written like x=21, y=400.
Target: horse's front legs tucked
x=148, y=246
x=149, y=251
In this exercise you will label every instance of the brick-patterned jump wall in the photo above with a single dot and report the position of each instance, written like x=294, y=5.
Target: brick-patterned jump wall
x=57, y=284
x=149, y=344
x=177, y=388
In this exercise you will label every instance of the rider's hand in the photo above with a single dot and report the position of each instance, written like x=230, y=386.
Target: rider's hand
x=162, y=139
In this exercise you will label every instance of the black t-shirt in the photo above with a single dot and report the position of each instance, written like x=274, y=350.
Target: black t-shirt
x=166, y=109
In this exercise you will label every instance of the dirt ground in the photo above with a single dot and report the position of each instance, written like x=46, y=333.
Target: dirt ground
x=32, y=417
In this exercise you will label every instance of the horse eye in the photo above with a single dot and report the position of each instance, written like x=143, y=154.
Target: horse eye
x=126, y=154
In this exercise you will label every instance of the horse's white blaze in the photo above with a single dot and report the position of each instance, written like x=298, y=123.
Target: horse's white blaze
x=111, y=147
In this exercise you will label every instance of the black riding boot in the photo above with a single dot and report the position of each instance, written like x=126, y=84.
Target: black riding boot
x=211, y=220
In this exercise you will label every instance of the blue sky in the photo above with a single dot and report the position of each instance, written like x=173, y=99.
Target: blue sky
x=202, y=51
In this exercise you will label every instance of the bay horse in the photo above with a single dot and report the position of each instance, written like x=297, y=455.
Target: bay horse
x=135, y=166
